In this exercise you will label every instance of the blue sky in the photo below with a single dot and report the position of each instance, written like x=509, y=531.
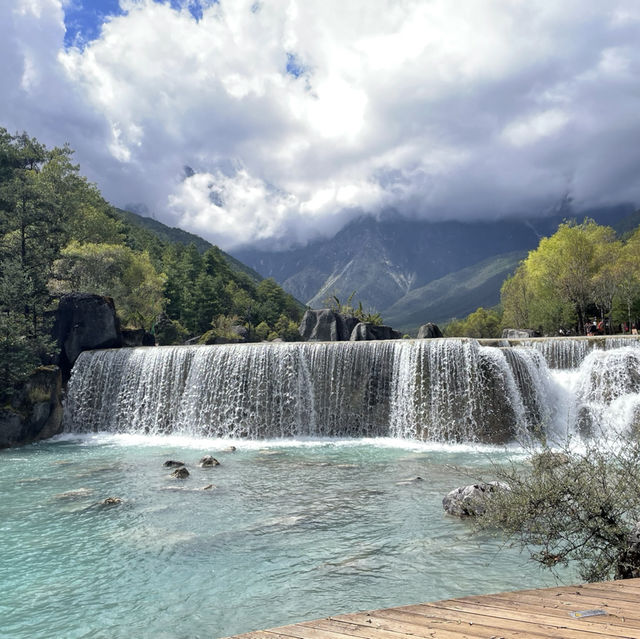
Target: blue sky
x=298, y=115
x=83, y=19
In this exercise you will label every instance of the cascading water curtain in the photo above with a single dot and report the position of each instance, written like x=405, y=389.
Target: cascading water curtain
x=439, y=390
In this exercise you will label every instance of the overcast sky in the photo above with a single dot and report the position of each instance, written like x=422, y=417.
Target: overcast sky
x=296, y=115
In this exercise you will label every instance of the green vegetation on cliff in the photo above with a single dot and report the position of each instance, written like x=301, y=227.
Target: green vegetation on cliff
x=58, y=234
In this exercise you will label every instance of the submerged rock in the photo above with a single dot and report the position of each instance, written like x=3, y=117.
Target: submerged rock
x=172, y=463
x=411, y=480
x=79, y=493
x=208, y=487
x=208, y=461
x=231, y=449
x=471, y=501
x=112, y=501
x=180, y=473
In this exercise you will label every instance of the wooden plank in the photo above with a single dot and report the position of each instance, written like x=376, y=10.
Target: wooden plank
x=562, y=609
x=374, y=626
x=451, y=627
x=535, y=614
x=569, y=625
x=564, y=605
x=499, y=624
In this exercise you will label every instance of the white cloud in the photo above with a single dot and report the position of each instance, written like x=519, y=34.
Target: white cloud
x=534, y=128
x=438, y=109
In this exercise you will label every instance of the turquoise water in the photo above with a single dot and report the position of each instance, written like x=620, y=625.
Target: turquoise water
x=291, y=531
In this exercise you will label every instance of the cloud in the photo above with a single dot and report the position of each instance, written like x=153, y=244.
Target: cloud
x=297, y=115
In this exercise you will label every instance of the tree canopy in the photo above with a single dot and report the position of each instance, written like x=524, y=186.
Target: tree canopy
x=58, y=235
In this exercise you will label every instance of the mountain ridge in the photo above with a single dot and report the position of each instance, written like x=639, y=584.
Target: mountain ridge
x=386, y=261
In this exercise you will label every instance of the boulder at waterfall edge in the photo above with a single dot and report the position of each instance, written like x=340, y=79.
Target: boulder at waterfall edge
x=519, y=333
x=471, y=501
x=365, y=331
x=84, y=322
x=325, y=325
x=134, y=337
x=429, y=331
x=35, y=412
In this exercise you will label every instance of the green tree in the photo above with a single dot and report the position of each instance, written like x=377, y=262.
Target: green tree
x=262, y=330
x=117, y=271
x=287, y=329
x=482, y=323
x=516, y=297
x=20, y=350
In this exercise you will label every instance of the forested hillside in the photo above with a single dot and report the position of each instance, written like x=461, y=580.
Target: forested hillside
x=58, y=235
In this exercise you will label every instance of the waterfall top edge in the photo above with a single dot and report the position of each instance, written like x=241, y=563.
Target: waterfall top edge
x=482, y=341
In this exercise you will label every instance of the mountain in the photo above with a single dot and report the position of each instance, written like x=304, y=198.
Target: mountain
x=178, y=236
x=455, y=294
x=412, y=271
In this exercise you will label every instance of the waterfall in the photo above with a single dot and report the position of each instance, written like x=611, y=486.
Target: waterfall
x=607, y=393
x=570, y=352
x=434, y=390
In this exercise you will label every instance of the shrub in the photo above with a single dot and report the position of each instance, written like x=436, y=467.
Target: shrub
x=579, y=505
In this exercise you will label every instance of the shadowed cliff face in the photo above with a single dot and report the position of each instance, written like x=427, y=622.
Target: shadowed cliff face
x=36, y=411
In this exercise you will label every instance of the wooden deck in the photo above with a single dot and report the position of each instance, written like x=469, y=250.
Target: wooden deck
x=527, y=613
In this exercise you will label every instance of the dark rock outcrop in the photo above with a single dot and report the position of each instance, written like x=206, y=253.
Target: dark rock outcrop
x=35, y=411
x=471, y=501
x=429, y=331
x=325, y=325
x=137, y=337
x=168, y=331
x=180, y=473
x=84, y=322
x=519, y=333
x=365, y=331
x=241, y=331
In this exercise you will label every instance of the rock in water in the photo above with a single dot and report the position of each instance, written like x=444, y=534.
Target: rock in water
x=180, y=473
x=231, y=449
x=112, y=501
x=172, y=463
x=208, y=461
x=429, y=331
x=471, y=501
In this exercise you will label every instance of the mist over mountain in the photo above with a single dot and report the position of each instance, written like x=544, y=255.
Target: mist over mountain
x=412, y=271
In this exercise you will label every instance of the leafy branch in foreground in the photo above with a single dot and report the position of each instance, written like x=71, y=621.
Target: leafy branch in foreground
x=574, y=506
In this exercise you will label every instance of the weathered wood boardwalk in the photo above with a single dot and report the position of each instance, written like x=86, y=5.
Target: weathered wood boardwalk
x=549, y=612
